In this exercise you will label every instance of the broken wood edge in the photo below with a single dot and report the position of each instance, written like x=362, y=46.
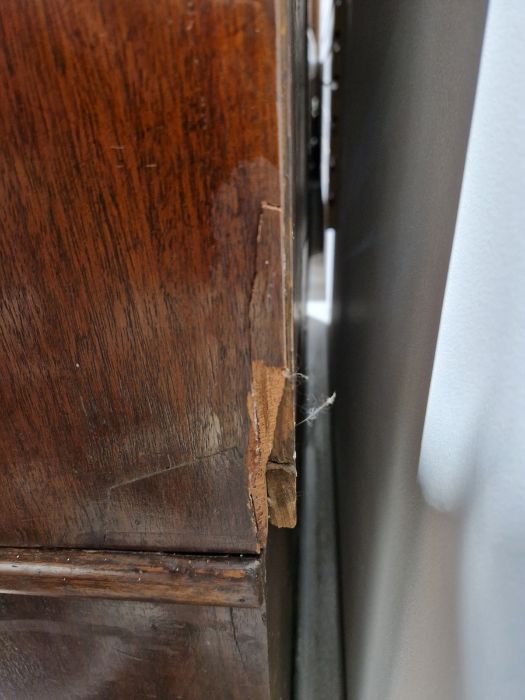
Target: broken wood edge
x=268, y=355
x=271, y=400
x=230, y=581
x=290, y=82
x=281, y=486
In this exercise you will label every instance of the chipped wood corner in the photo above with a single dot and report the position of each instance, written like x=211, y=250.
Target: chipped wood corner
x=263, y=406
x=281, y=484
x=281, y=474
x=270, y=400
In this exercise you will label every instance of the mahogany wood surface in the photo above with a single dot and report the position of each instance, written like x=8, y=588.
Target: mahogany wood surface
x=139, y=161
x=69, y=648
x=214, y=580
x=148, y=195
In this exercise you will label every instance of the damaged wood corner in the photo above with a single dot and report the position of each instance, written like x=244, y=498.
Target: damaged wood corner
x=272, y=495
x=263, y=406
x=281, y=485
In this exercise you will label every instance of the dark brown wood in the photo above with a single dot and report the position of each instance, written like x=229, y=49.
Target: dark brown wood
x=140, y=150
x=147, y=212
x=227, y=581
x=64, y=648
x=280, y=559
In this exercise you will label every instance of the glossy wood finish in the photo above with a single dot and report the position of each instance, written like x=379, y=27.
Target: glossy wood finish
x=139, y=150
x=64, y=649
x=148, y=194
x=226, y=581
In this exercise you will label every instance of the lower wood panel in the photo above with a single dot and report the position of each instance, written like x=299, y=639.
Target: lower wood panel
x=106, y=624
x=58, y=649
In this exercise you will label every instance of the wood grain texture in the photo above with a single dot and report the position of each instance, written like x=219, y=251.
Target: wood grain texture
x=294, y=108
x=139, y=143
x=59, y=649
x=227, y=581
x=267, y=317
x=280, y=608
x=281, y=481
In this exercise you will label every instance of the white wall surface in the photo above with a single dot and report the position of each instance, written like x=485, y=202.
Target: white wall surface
x=473, y=453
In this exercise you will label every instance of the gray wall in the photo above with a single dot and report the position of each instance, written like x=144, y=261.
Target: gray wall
x=408, y=84
x=472, y=465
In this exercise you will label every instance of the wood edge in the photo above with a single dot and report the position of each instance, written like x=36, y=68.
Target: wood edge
x=230, y=581
x=282, y=497
x=283, y=447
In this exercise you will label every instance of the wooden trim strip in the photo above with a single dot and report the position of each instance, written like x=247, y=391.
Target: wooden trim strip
x=232, y=581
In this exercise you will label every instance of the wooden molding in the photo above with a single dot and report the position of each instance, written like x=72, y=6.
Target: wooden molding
x=232, y=581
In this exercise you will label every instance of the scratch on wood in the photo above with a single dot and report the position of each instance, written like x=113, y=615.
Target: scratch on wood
x=271, y=207
x=151, y=475
x=236, y=640
x=166, y=470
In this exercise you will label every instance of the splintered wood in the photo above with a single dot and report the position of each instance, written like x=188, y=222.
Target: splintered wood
x=269, y=372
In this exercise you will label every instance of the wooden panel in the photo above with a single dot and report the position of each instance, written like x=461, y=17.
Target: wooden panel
x=139, y=153
x=58, y=649
x=229, y=581
x=281, y=612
